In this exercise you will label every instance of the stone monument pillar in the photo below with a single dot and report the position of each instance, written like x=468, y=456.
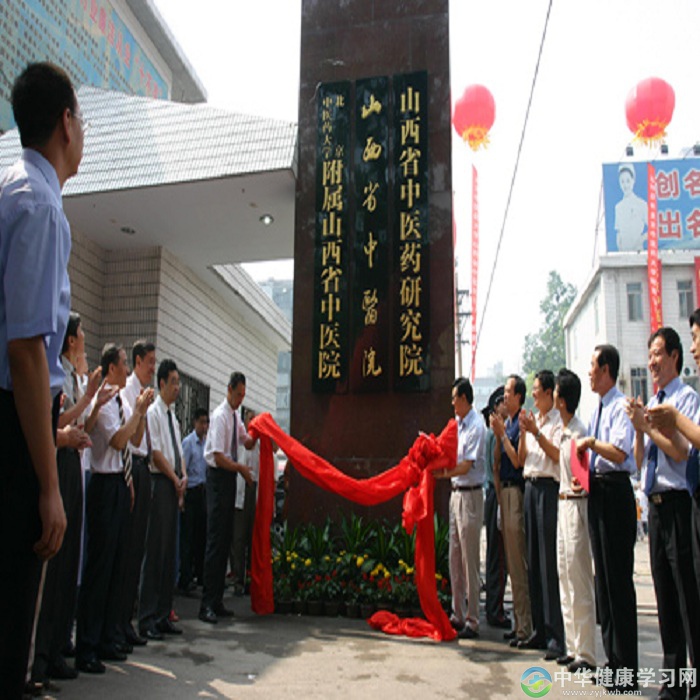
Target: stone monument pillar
x=373, y=343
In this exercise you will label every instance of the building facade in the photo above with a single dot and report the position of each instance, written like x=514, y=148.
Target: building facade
x=169, y=200
x=613, y=307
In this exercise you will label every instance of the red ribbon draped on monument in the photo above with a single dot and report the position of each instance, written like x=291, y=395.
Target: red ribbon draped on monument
x=411, y=475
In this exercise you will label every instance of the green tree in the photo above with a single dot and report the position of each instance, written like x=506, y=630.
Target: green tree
x=546, y=348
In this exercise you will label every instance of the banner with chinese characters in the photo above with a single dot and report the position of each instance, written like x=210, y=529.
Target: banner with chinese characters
x=411, y=237
x=653, y=263
x=331, y=264
x=677, y=191
x=370, y=289
x=475, y=264
x=371, y=272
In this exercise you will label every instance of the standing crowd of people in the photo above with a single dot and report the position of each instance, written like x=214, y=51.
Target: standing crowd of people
x=545, y=520
x=559, y=506
x=144, y=484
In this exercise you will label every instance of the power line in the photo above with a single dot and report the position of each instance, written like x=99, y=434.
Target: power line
x=515, y=172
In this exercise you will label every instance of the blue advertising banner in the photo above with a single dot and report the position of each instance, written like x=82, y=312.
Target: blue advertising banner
x=626, y=205
x=88, y=38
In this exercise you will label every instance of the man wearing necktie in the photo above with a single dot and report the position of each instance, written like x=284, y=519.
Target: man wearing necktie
x=612, y=517
x=108, y=501
x=667, y=416
x=168, y=484
x=664, y=454
x=226, y=434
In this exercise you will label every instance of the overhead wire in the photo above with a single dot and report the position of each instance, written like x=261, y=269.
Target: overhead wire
x=515, y=172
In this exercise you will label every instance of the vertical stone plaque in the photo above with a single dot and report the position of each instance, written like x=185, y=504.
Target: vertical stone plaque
x=383, y=70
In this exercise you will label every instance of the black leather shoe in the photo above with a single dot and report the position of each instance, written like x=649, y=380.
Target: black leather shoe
x=208, y=615
x=552, y=655
x=111, y=654
x=134, y=638
x=61, y=671
x=565, y=660
x=167, y=627
x=510, y=635
x=124, y=647
x=580, y=666
x=515, y=642
x=93, y=665
x=468, y=633
x=503, y=624
x=532, y=643
x=221, y=611
x=153, y=634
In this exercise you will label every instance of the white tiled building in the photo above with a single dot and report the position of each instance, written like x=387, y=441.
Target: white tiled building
x=613, y=307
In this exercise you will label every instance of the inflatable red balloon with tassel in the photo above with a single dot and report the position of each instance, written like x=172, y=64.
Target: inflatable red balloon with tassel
x=649, y=109
x=474, y=114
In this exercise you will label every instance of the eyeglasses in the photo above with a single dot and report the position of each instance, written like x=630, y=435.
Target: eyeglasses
x=84, y=123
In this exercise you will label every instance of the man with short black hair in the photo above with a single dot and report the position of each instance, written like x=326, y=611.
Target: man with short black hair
x=496, y=571
x=612, y=516
x=576, y=587
x=108, y=500
x=226, y=433
x=666, y=416
x=168, y=483
x=665, y=457
x=143, y=357
x=193, y=518
x=508, y=478
x=538, y=451
x=466, y=511
x=35, y=244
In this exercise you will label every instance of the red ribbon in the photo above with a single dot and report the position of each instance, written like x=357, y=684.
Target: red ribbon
x=411, y=475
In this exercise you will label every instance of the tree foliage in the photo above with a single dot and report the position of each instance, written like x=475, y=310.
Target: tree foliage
x=546, y=348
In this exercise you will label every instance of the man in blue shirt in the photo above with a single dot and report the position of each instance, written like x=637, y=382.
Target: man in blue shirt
x=612, y=519
x=34, y=306
x=193, y=518
x=665, y=456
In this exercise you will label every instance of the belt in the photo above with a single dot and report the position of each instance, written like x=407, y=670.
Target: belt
x=195, y=488
x=666, y=496
x=466, y=488
x=611, y=476
x=572, y=496
x=511, y=484
x=535, y=479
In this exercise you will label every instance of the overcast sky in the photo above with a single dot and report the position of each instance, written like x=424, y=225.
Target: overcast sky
x=247, y=56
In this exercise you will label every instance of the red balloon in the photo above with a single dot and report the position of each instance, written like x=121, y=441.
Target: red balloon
x=474, y=114
x=649, y=109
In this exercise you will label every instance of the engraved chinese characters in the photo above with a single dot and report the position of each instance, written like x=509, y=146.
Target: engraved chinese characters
x=371, y=239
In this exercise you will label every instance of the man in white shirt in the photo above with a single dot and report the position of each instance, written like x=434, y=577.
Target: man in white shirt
x=169, y=481
x=244, y=516
x=466, y=511
x=538, y=450
x=226, y=433
x=576, y=587
x=143, y=357
x=108, y=500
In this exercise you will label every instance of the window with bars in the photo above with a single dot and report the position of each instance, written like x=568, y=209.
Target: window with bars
x=634, y=301
x=686, y=305
x=639, y=383
x=193, y=395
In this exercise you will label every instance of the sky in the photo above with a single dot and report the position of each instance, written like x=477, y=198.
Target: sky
x=595, y=52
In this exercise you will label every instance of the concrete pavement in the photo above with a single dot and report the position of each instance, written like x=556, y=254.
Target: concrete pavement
x=306, y=657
